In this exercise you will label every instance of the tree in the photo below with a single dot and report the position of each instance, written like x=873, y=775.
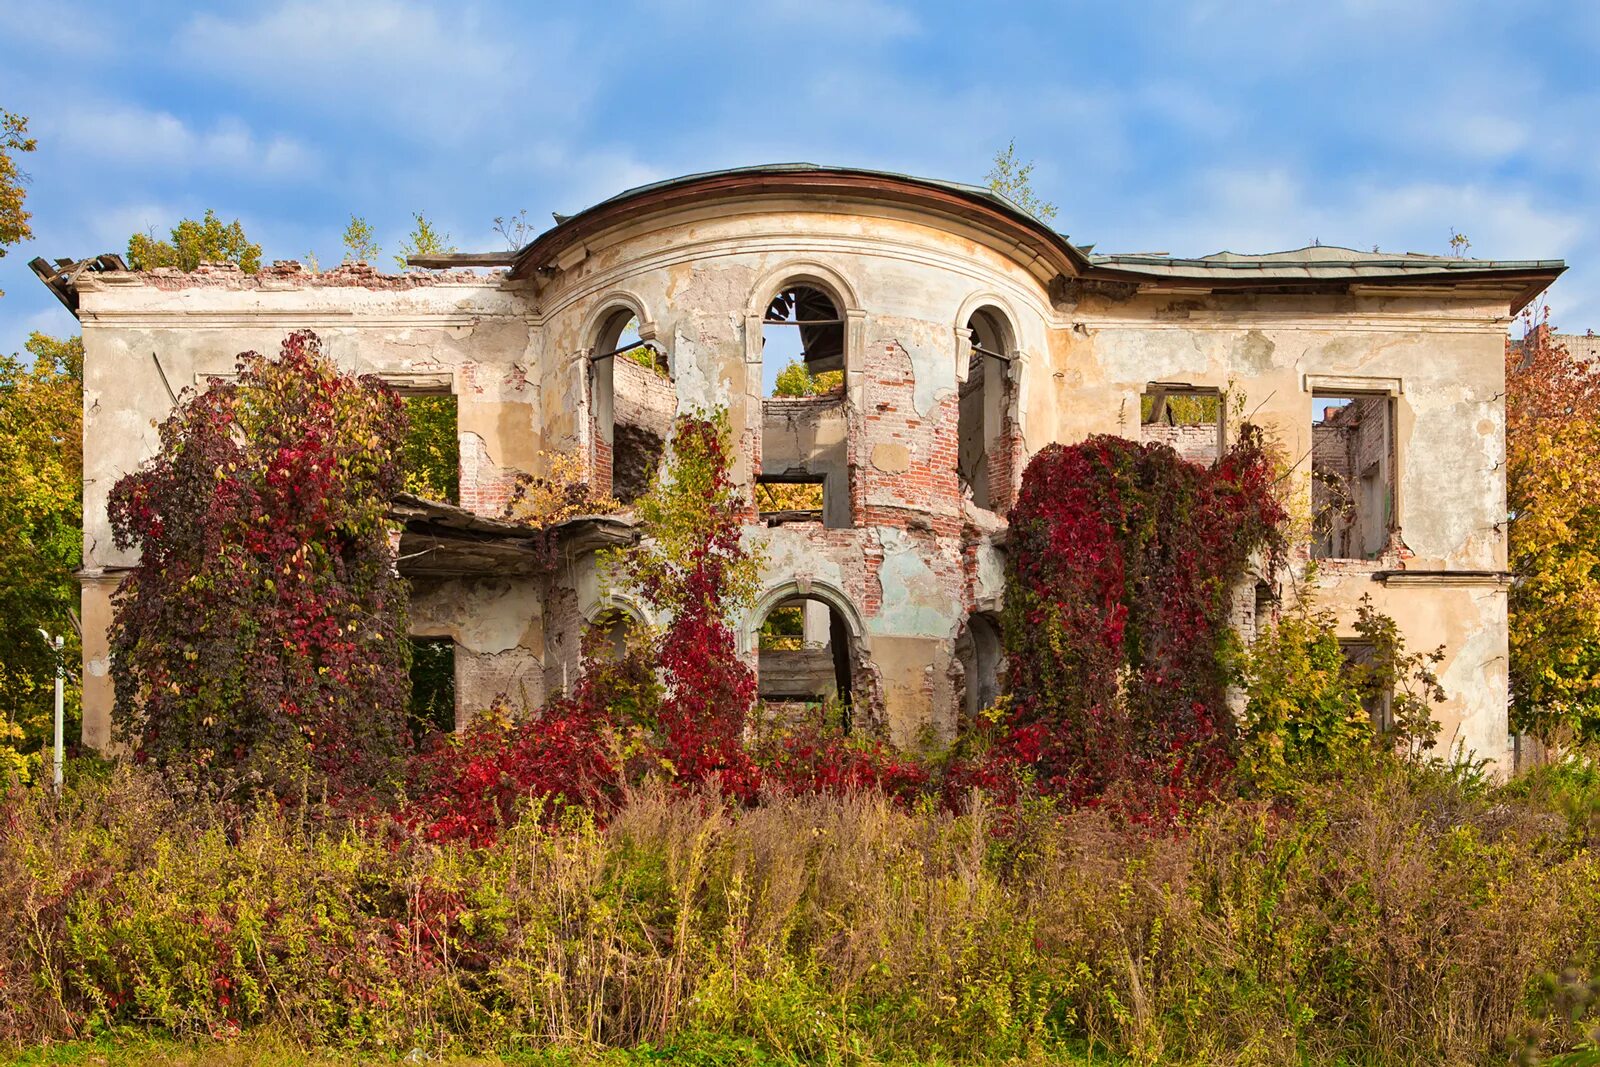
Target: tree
x=14, y=140
x=423, y=241
x=41, y=540
x=1010, y=178
x=796, y=379
x=360, y=242
x=262, y=636
x=1553, y=499
x=193, y=243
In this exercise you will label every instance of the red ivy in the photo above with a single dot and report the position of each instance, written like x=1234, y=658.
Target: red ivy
x=809, y=762
x=1121, y=562
x=261, y=637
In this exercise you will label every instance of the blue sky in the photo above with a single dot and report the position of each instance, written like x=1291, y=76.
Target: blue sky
x=1186, y=128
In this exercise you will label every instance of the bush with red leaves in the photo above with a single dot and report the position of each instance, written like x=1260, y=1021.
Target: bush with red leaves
x=260, y=640
x=693, y=568
x=1121, y=561
x=810, y=762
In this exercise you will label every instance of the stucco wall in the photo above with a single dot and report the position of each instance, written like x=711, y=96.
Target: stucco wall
x=919, y=558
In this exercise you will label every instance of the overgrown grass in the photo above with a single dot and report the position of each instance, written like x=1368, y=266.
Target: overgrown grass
x=271, y=1050
x=1403, y=917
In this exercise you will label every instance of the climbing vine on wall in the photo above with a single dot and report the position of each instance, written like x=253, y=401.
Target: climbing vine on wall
x=672, y=703
x=694, y=569
x=262, y=637
x=1122, y=559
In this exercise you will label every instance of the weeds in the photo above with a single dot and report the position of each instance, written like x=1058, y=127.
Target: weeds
x=1399, y=917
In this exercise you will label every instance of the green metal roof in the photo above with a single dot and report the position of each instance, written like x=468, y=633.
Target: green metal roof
x=1316, y=262
x=980, y=192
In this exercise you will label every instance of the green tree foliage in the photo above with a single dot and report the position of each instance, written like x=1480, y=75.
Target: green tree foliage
x=433, y=687
x=797, y=380
x=1304, y=715
x=425, y=240
x=1553, y=496
x=1010, y=177
x=262, y=637
x=1317, y=710
x=14, y=141
x=41, y=540
x=361, y=244
x=192, y=243
x=432, y=456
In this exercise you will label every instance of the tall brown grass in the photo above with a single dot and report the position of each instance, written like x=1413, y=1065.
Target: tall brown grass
x=1400, y=918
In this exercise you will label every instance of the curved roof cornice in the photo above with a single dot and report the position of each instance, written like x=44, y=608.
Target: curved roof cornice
x=970, y=203
x=1056, y=259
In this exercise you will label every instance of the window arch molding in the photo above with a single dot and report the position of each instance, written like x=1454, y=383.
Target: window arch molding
x=1006, y=317
x=608, y=308
x=822, y=277
x=799, y=589
x=618, y=603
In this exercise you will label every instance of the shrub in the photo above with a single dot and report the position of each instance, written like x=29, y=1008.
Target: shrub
x=1120, y=564
x=261, y=637
x=1390, y=918
x=813, y=761
x=694, y=568
x=574, y=755
x=1304, y=717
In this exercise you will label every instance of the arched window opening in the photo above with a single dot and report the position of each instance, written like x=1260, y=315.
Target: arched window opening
x=802, y=343
x=806, y=661
x=805, y=470
x=634, y=403
x=983, y=448
x=609, y=634
x=982, y=657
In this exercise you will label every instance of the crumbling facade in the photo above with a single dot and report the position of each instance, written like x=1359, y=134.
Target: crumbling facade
x=964, y=336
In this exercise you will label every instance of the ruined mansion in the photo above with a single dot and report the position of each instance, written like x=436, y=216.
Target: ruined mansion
x=948, y=335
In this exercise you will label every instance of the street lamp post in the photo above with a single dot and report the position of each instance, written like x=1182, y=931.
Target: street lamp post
x=61, y=677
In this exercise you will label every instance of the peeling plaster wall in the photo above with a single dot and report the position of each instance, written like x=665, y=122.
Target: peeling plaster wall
x=920, y=558
x=499, y=637
x=148, y=337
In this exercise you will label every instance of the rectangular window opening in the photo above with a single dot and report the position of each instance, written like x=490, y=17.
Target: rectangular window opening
x=781, y=500
x=1352, y=475
x=433, y=686
x=432, y=449
x=1189, y=420
x=1379, y=703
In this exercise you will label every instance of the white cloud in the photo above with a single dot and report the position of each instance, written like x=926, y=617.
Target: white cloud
x=572, y=179
x=47, y=26
x=433, y=72
x=1269, y=209
x=135, y=137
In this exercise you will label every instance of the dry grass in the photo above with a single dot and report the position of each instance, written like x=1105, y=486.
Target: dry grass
x=1398, y=919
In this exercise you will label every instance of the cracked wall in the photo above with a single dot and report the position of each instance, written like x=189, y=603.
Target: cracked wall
x=906, y=555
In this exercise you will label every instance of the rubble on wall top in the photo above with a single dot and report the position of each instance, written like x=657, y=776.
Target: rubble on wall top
x=292, y=271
